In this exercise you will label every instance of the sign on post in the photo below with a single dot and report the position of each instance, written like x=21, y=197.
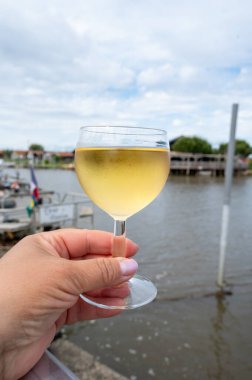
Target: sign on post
x=56, y=213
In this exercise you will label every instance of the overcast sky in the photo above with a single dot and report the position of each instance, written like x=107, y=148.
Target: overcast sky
x=177, y=65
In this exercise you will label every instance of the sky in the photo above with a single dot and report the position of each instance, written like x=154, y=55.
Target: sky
x=176, y=65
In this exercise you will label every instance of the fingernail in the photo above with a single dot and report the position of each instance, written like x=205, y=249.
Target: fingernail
x=128, y=266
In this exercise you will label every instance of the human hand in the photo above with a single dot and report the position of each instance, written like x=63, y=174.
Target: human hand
x=40, y=281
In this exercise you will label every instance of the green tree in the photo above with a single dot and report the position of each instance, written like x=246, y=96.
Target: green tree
x=56, y=159
x=192, y=145
x=242, y=148
x=7, y=153
x=223, y=148
x=36, y=147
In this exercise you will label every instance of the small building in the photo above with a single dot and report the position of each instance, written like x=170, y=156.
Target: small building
x=65, y=157
x=19, y=155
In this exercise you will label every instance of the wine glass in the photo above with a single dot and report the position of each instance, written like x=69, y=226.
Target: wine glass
x=122, y=170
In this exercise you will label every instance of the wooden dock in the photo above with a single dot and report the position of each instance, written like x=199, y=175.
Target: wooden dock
x=56, y=213
x=203, y=164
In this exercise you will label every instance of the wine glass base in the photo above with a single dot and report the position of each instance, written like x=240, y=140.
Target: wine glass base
x=141, y=292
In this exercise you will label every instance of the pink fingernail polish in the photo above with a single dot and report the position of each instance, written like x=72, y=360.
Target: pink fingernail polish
x=128, y=266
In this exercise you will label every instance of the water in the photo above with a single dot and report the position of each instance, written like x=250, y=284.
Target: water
x=185, y=333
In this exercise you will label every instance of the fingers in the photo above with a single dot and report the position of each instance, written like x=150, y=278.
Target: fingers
x=119, y=291
x=110, y=296
x=90, y=275
x=84, y=311
x=76, y=243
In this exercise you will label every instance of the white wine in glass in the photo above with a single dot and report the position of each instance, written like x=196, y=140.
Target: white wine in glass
x=122, y=170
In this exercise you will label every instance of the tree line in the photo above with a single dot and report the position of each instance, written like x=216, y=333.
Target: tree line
x=184, y=144
x=198, y=145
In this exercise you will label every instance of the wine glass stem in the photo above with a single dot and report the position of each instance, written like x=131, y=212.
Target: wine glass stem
x=119, y=241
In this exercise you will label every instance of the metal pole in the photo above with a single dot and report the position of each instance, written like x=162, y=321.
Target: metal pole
x=227, y=195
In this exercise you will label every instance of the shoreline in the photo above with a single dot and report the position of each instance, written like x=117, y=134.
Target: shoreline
x=71, y=167
x=82, y=363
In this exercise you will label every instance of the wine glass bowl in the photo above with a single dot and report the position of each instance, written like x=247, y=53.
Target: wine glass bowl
x=122, y=170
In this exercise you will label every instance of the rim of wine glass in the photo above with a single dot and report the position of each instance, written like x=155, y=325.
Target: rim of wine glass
x=149, y=131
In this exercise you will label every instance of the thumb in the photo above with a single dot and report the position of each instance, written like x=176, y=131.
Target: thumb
x=101, y=273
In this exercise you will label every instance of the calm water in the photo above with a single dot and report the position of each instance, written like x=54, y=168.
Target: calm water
x=194, y=337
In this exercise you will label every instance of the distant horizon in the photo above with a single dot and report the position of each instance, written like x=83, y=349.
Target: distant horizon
x=70, y=149
x=45, y=149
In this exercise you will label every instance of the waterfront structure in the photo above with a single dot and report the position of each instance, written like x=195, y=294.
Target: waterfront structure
x=38, y=157
x=54, y=212
x=181, y=163
x=203, y=164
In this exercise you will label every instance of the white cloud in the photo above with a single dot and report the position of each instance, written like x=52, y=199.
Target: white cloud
x=177, y=65
x=156, y=76
x=187, y=73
